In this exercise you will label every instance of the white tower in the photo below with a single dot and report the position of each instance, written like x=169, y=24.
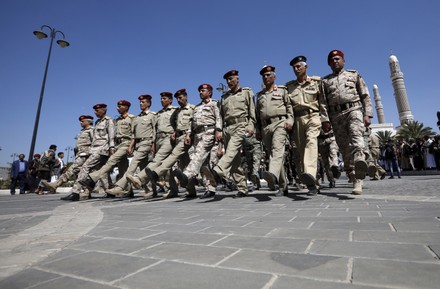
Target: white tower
x=403, y=108
x=379, y=106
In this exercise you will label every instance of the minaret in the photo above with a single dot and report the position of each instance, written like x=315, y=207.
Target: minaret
x=379, y=106
x=403, y=108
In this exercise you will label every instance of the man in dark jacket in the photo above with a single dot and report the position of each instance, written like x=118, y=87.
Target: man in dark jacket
x=18, y=174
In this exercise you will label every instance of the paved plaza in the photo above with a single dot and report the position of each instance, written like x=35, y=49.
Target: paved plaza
x=389, y=237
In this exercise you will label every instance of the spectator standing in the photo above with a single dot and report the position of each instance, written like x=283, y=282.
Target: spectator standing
x=18, y=174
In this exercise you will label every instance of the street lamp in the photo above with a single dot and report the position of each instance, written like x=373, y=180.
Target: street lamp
x=62, y=43
x=222, y=88
x=13, y=156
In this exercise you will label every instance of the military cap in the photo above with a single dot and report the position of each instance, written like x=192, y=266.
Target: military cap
x=179, y=92
x=334, y=53
x=205, y=86
x=53, y=147
x=297, y=59
x=124, y=102
x=167, y=94
x=267, y=68
x=85, y=117
x=230, y=73
x=100, y=105
x=37, y=155
x=145, y=96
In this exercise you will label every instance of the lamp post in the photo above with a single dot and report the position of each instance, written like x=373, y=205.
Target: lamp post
x=68, y=149
x=62, y=43
x=222, y=88
x=13, y=156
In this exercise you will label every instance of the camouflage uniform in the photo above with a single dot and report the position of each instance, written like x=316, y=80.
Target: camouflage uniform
x=347, y=101
x=238, y=113
x=328, y=149
x=124, y=135
x=103, y=140
x=374, y=148
x=273, y=111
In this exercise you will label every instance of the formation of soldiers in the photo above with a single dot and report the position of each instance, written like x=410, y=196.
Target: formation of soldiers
x=307, y=116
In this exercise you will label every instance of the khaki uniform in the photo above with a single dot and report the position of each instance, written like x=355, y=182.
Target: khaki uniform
x=206, y=120
x=273, y=111
x=181, y=121
x=143, y=130
x=347, y=101
x=374, y=147
x=238, y=113
x=103, y=139
x=82, y=149
x=162, y=141
x=328, y=149
x=123, y=136
x=305, y=101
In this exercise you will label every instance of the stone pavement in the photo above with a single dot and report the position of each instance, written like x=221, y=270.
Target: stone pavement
x=387, y=238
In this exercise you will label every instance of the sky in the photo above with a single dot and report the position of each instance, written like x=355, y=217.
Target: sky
x=122, y=49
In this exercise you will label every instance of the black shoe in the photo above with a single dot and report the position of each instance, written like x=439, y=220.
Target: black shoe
x=129, y=195
x=72, y=197
x=256, y=180
x=332, y=184
x=271, y=180
x=240, y=194
x=307, y=179
x=154, y=178
x=383, y=176
x=207, y=194
x=88, y=182
x=190, y=196
x=109, y=196
x=391, y=177
x=12, y=193
x=336, y=172
x=183, y=179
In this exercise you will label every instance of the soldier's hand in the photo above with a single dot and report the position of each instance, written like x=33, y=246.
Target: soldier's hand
x=218, y=135
x=326, y=126
x=219, y=153
x=367, y=121
x=288, y=126
x=130, y=151
x=250, y=132
x=153, y=148
x=112, y=151
x=187, y=139
x=173, y=136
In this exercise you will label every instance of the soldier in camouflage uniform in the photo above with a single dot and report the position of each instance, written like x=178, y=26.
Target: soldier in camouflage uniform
x=328, y=149
x=204, y=132
x=119, y=153
x=82, y=151
x=238, y=113
x=141, y=145
x=377, y=172
x=103, y=140
x=349, y=110
x=162, y=145
x=181, y=122
x=305, y=95
x=252, y=159
x=274, y=117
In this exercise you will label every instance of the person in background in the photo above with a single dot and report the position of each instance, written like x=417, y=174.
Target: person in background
x=18, y=174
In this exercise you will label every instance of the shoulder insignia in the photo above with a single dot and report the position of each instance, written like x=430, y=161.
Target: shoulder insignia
x=246, y=88
x=282, y=86
x=153, y=112
x=351, y=70
x=315, y=77
x=131, y=115
x=106, y=117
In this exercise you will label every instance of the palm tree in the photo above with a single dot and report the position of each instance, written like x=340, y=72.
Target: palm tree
x=384, y=136
x=414, y=130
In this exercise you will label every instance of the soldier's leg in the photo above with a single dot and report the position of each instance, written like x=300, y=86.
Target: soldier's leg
x=166, y=164
x=120, y=153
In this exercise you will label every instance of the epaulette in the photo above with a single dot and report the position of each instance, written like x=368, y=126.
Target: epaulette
x=246, y=88
x=192, y=106
x=315, y=78
x=282, y=86
x=352, y=70
x=153, y=112
x=106, y=117
x=131, y=115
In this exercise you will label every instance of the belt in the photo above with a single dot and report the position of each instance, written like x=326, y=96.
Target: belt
x=303, y=112
x=121, y=139
x=274, y=119
x=162, y=134
x=344, y=106
x=326, y=136
x=143, y=138
x=203, y=128
x=236, y=120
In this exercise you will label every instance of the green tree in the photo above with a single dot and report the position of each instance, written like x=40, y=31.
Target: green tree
x=384, y=136
x=414, y=130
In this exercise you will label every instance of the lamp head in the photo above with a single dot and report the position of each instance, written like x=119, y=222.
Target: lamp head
x=40, y=34
x=63, y=43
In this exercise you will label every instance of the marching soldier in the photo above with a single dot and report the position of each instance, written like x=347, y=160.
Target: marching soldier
x=141, y=145
x=349, y=111
x=82, y=151
x=328, y=149
x=305, y=94
x=103, y=141
x=118, y=154
x=204, y=132
x=274, y=117
x=238, y=113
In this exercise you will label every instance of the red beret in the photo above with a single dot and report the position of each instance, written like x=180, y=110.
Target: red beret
x=145, y=96
x=37, y=155
x=267, y=68
x=180, y=91
x=167, y=94
x=334, y=53
x=85, y=117
x=124, y=102
x=205, y=86
x=230, y=73
x=100, y=105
